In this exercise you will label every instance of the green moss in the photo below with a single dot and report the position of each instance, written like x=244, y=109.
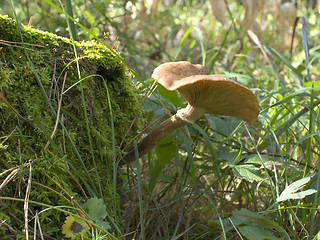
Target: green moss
x=52, y=57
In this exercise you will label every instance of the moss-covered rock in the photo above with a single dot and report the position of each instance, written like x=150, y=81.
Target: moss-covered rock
x=78, y=158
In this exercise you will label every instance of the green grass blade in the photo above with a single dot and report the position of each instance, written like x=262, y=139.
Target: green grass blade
x=71, y=25
x=311, y=130
x=114, y=164
x=285, y=62
x=315, y=200
x=305, y=43
x=142, y=234
x=203, y=49
x=210, y=147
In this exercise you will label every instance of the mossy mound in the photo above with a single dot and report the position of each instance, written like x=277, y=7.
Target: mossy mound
x=77, y=158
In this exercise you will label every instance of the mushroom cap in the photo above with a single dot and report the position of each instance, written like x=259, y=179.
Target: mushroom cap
x=217, y=95
x=169, y=74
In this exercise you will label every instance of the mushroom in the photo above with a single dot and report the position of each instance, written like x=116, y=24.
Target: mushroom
x=204, y=93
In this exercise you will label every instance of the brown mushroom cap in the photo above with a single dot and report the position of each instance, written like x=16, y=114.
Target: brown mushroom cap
x=215, y=94
x=169, y=74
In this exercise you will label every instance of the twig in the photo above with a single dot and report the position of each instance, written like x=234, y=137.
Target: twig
x=9, y=177
x=26, y=202
x=16, y=127
x=37, y=222
x=15, y=111
x=58, y=113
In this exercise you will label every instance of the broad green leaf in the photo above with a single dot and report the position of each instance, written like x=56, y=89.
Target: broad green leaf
x=223, y=126
x=96, y=208
x=291, y=191
x=248, y=218
x=170, y=96
x=255, y=159
x=103, y=224
x=242, y=216
x=164, y=178
x=257, y=233
x=226, y=155
x=247, y=171
x=165, y=152
x=268, y=162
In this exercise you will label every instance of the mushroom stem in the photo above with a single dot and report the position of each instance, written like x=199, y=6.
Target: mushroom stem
x=187, y=115
x=190, y=113
x=155, y=136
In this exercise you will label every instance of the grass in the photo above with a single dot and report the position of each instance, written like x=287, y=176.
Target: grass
x=220, y=178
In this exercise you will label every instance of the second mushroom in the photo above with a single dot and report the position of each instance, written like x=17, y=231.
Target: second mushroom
x=204, y=93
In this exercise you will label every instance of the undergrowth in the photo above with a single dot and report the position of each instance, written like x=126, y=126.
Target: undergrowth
x=218, y=178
